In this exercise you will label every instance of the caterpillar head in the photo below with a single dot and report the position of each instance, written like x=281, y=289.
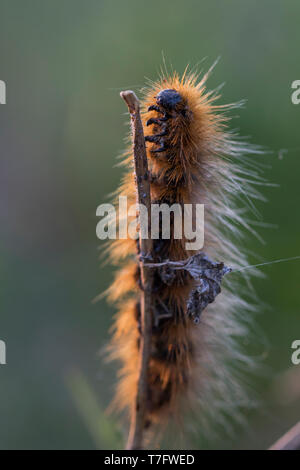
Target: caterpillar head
x=168, y=99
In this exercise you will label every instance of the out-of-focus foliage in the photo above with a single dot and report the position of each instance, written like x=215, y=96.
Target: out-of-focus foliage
x=64, y=63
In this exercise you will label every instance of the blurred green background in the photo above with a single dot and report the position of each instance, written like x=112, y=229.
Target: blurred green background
x=64, y=63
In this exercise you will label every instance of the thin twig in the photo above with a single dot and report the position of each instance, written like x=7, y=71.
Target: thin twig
x=290, y=441
x=138, y=416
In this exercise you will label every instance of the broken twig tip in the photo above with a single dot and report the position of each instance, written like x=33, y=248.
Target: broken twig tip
x=131, y=100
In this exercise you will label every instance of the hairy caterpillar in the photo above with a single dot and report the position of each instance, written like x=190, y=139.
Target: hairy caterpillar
x=195, y=355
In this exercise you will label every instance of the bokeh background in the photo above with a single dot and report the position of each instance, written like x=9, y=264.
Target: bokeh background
x=64, y=63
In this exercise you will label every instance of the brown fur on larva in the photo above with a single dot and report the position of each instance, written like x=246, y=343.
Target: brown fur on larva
x=193, y=168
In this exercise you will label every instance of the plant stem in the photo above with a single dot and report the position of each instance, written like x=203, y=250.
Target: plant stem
x=138, y=414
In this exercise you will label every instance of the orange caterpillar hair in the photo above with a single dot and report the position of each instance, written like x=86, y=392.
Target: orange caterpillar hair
x=193, y=158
